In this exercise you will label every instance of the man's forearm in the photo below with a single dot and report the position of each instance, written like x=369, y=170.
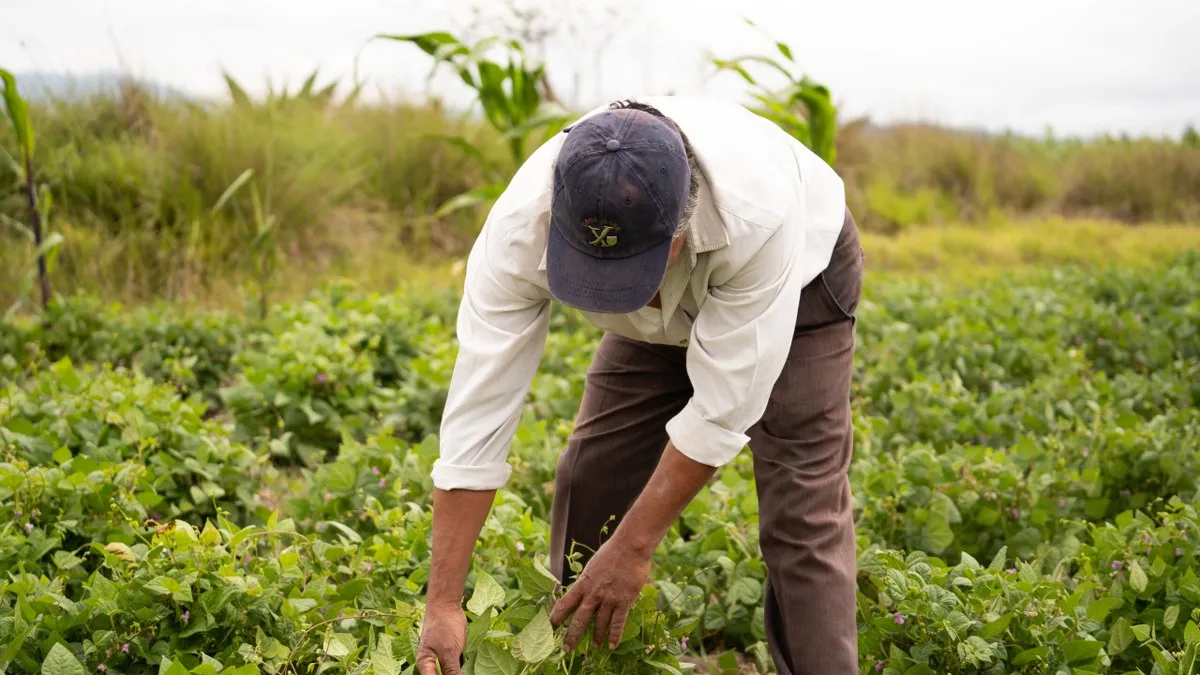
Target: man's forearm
x=675, y=482
x=458, y=517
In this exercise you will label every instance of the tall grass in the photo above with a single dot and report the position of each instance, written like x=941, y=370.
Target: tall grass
x=134, y=178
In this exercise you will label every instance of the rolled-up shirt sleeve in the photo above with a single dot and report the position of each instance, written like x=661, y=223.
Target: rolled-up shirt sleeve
x=502, y=326
x=740, y=342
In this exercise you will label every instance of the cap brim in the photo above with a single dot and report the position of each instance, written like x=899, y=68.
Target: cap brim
x=613, y=286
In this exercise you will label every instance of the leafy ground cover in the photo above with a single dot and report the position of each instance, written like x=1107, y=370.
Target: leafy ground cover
x=209, y=493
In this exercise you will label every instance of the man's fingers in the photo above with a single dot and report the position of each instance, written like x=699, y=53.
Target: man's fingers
x=427, y=665
x=565, y=605
x=603, y=616
x=617, y=629
x=579, y=624
x=450, y=667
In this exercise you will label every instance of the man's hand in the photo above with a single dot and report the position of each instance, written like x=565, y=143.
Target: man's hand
x=458, y=517
x=612, y=580
x=443, y=638
x=607, y=589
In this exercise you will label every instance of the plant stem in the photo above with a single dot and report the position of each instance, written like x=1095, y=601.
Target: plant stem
x=35, y=218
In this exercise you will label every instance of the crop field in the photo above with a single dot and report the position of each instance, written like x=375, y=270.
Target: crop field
x=228, y=333
x=218, y=493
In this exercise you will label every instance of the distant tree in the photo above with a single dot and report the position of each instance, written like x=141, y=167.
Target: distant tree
x=1191, y=137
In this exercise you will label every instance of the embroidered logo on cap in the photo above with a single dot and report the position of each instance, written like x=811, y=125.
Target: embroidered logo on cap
x=604, y=232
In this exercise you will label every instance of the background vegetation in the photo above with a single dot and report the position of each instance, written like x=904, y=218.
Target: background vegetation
x=355, y=189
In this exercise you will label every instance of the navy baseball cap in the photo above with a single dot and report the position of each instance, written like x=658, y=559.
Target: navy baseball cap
x=620, y=190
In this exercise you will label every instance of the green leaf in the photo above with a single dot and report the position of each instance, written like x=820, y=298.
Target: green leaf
x=62, y=455
x=1137, y=577
x=487, y=594
x=340, y=645
x=535, y=580
x=994, y=628
x=999, y=560
x=1082, y=651
x=383, y=663
x=493, y=660
x=60, y=661
x=209, y=536
x=1171, y=616
x=1120, y=636
x=431, y=43
x=236, y=185
x=1191, y=632
x=172, y=667
x=64, y=371
x=745, y=591
x=18, y=116
x=1030, y=655
x=1099, y=609
x=785, y=50
x=162, y=585
x=350, y=534
x=536, y=641
x=302, y=605
x=1141, y=632
x=478, y=631
x=473, y=197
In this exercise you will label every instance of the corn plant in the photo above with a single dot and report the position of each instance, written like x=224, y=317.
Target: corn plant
x=308, y=94
x=511, y=95
x=17, y=110
x=801, y=107
x=259, y=244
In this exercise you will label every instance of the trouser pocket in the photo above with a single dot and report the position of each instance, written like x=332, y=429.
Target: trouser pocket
x=835, y=293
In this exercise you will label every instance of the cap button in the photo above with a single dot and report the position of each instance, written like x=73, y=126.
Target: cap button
x=613, y=144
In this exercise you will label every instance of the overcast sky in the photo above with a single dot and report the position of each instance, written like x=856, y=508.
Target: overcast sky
x=1078, y=66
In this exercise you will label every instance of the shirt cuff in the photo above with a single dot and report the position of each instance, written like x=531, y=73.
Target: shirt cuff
x=703, y=441
x=490, y=476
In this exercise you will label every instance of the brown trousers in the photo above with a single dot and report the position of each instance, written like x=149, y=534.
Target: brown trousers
x=801, y=447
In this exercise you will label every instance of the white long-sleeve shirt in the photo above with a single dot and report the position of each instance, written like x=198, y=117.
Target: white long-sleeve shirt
x=769, y=215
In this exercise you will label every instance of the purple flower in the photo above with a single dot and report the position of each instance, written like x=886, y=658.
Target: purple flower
x=520, y=547
x=1085, y=452
x=896, y=616
x=125, y=648
x=879, y=665
x=1146, y=537
x=1011, y=570
x=1116, y=565
x=1062, y=503
x=1178, y=551
x=683, y=643
x=367, y=566
x=102, y=667
x=1016, y=513
x=187, y=616
x=374, y=471
x=382, y=482
x=28, y=528
x=322, y=378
